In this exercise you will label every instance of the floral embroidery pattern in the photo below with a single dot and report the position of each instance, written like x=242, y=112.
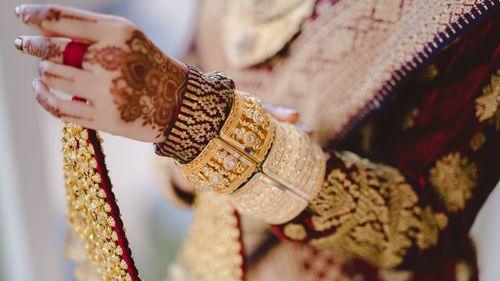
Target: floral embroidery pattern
x=477, y=141
x=454, y=177
x=488, y=104
x=374, y=212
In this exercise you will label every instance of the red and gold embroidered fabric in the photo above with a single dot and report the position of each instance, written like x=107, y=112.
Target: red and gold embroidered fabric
x=203, y=108
x=369, y=211
x=349, y=57
x=402, y=213
x=93, y=214
x=437, y=142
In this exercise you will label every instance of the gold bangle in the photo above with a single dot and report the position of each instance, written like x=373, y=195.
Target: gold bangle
x=263, y=198
x=271, y=170
x=296, y=162
x=229, y=161
x=220, y=168
x=290, y=176
x=248, y=127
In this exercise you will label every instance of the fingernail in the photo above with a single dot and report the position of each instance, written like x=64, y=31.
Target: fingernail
x=19, y=43
x=34, y=83
x=18, y=10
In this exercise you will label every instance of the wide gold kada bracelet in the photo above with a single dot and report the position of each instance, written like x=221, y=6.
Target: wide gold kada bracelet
x=270, y=170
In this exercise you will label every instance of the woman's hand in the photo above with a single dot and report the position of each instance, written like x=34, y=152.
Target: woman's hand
x=131, y=87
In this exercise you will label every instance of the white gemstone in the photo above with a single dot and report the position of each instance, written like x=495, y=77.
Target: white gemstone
x=250, y=138
x=229, y=163
x=215, y=179
x=206, y=171
x=239, y=133
x=248, y=113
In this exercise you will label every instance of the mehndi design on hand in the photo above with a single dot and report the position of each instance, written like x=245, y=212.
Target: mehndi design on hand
x=149, y=84
x=130, y=86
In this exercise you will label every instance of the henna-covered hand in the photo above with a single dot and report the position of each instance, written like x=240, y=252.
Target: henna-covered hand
x=131, y=87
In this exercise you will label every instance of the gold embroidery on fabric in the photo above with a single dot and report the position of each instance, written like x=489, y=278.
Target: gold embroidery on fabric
x=487, y=105
x=428, y=73
x=463, y=271
x=477, y=141
x=202, y=114
x=374, y=211
x=454, y=177
x=441, y=220
x=212, y=249
x=89, y=215
x=295, y=231
x=409, y=120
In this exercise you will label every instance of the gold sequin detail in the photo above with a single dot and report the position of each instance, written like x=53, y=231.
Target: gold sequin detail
x=295, y=231
x=89, y=214
x=477, y=141
x=212, y=249
x=454, y=177
x=487, y=105
x=374, y=213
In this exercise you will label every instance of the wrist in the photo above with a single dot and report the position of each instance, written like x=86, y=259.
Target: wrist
x=202, y=109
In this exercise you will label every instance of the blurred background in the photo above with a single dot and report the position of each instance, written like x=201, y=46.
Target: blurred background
x=32, y=196
x=32, y=204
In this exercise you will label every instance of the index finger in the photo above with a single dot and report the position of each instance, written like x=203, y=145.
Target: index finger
x=63, y=21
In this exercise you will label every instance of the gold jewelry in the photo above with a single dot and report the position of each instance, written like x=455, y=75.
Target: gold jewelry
x=290, y=177
x=220, y=168
x=229, y=161
x=271, y=169
x=248, y=127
